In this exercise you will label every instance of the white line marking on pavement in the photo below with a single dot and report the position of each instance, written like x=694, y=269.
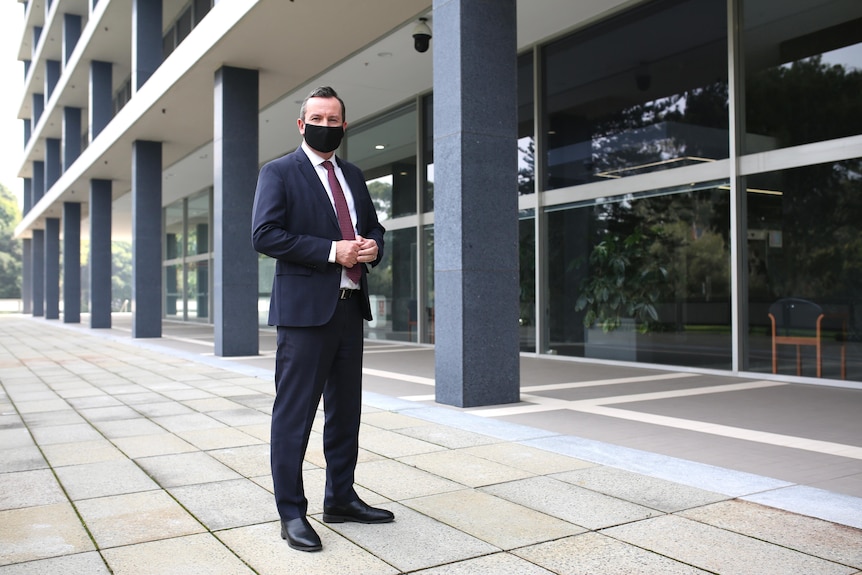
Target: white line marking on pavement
x=398, y=376
x=600, y=382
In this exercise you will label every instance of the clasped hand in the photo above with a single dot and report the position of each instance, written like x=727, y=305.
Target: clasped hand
x=348, y=253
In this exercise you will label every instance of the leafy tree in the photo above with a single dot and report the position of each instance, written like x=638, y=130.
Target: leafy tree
x=381, y=195
x=10, y=249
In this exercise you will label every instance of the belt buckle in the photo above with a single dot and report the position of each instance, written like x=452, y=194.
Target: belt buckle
x=345, y=293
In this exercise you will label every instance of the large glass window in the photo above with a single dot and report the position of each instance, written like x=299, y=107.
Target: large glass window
x=805, y=245
x=642, y=92
x=804, y=72
x=527, y=272
x=385, y=150
x=188, y=259
x=526, y=126
x=428, y=151
x=644, y=277
x=392, y=289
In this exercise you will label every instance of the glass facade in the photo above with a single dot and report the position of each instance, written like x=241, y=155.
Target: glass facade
x=188, y=258
x=643, y=277
x=804, y=242
x=655, y=153
x=803, y=63
x=619, y=102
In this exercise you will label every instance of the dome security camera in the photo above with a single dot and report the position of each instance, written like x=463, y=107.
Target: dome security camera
x=421, y=36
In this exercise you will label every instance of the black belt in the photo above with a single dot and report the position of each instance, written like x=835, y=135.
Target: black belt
x=347, y=293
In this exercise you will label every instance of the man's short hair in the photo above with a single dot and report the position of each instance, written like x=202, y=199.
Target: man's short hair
x=323, y=92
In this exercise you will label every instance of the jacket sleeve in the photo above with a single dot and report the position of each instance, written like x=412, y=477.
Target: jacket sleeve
x=281, y=221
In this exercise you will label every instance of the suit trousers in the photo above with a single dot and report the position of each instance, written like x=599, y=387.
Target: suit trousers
x=312, y=362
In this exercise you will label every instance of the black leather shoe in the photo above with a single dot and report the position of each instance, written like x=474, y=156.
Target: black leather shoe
x=300, y=535
x=357, y=511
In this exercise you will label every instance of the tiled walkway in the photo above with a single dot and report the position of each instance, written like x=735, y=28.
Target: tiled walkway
x=151, y=457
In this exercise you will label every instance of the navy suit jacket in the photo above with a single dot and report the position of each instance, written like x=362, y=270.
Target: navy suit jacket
x=294, y=222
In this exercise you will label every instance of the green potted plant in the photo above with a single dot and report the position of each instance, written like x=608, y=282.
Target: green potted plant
x=624, y=281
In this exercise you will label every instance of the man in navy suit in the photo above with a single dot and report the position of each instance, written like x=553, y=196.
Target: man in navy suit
x=319, y=299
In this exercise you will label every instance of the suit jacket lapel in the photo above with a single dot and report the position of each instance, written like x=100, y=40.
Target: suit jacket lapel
x=319, y=192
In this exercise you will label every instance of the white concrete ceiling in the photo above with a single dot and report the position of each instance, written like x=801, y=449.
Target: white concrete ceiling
x=367, y=55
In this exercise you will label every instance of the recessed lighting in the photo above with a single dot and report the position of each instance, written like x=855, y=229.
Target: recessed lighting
x=379, y=147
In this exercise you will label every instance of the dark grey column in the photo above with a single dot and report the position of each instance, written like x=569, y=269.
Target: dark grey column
x=71, y=34
x=71, y=135
x=27, y=275
x=475, y=202
x=71, y=262
x=52, y=76
x=38, y=181
x=146, y=40
x=101, y=97
x=38, y=107
x=38, y=267
x=100, y=253
x=27, y=131
x=52, y=268
x=28, y=195
x=146, y=239
x=53, y=162
x=235, y=165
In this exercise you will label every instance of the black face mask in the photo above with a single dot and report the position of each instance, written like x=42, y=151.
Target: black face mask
x=323, y=138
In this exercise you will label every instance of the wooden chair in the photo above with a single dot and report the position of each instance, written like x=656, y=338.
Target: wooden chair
x=799, y=322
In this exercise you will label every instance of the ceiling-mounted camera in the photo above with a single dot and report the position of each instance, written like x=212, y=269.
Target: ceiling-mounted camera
x=422, y=36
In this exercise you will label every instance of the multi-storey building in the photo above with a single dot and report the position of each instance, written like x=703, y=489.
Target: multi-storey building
x=632, y=180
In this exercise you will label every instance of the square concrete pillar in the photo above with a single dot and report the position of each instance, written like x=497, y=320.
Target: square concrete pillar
x=100, y=253
x=71, y=262
x=235, y=165
x=146, y=239
x=52, y=268
x=476, y=282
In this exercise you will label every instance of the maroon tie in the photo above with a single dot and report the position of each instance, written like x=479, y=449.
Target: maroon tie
x=344, y=221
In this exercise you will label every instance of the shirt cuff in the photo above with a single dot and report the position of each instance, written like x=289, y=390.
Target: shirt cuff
x=332, y=253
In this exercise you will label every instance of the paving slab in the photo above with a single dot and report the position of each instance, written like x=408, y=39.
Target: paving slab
x=261, y=547
x=536, y=461
x=838, y=543
x=89, y=563
x=29, y=489
x=397, y=543
x=23, y=458
x=80, y=452
x=113, y=477
x=136, y=518
x=248, y=461
x=185, y=469
x=227, y=504
x=201, y=554
x=392, y=443
x=494, y=520
x=496, y=564
x=651, y=492
x=32, y=533
x=593, y=553
x=464, y=468
x=570, y=503
x=718, y=550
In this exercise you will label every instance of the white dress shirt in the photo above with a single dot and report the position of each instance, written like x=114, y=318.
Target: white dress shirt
x=317, y=162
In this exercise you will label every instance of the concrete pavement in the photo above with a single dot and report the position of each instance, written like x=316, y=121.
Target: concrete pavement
x=151, y=457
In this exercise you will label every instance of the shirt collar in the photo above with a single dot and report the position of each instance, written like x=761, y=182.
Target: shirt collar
x=315, y=158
